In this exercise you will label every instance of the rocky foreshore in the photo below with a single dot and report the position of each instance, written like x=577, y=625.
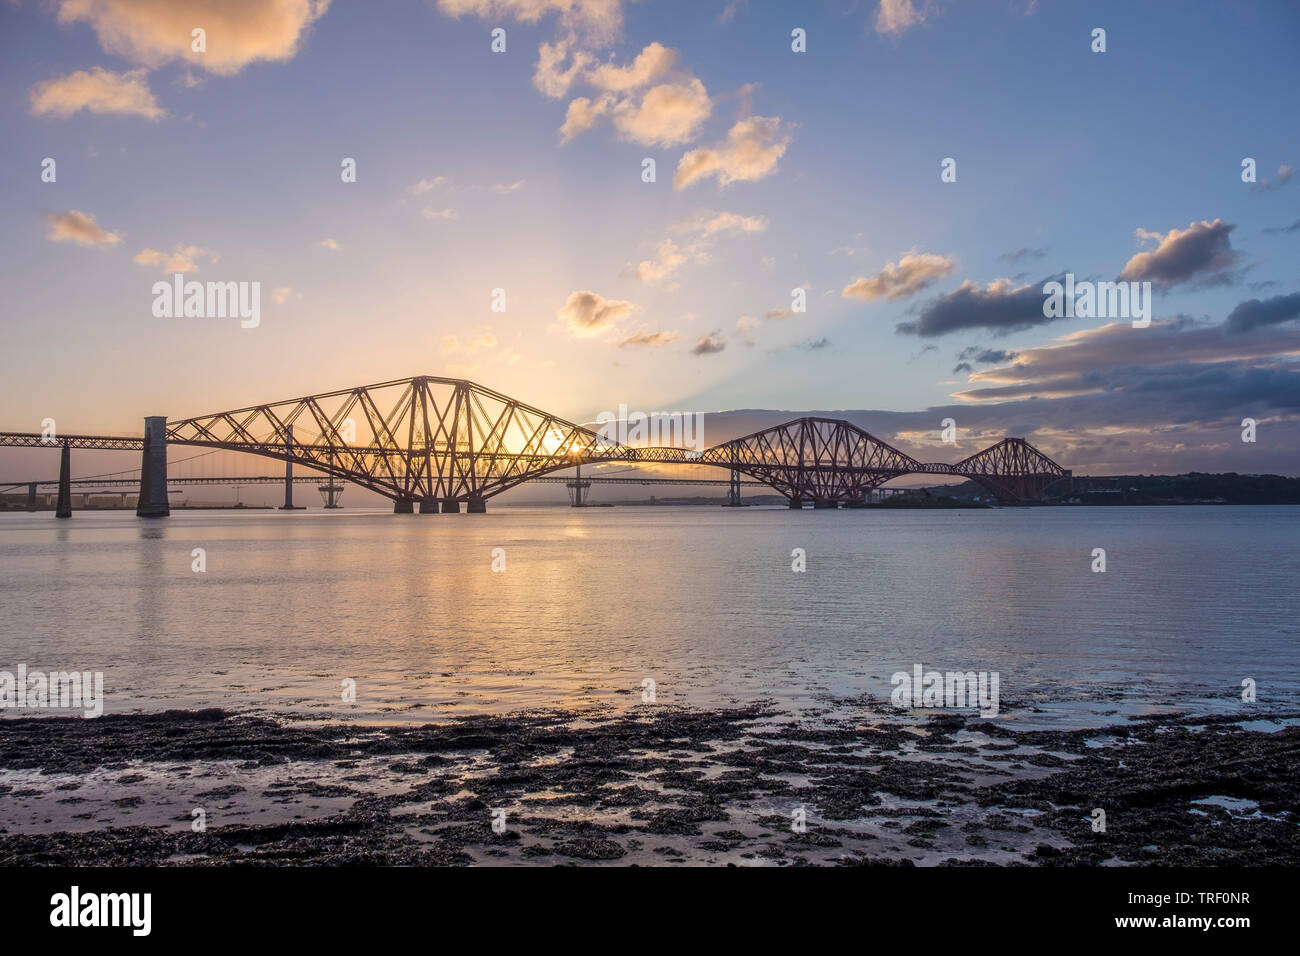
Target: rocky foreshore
x=855, y=786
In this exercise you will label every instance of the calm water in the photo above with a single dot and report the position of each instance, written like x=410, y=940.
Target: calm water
x=701, y=600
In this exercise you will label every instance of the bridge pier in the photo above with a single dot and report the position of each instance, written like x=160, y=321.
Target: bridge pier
x=288, y=472
x=64, y=508
x=733, y=490
x=450, y=506
x=428, y=506
x=152, y=502
x=31, y=496
x=796, y=504
x=476, y=506
x=404, y=506
x=821, y=504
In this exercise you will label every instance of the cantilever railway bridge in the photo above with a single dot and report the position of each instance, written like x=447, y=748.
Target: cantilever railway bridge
x=439, y=443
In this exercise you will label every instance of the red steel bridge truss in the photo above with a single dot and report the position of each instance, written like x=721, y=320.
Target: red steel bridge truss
x=438, y=441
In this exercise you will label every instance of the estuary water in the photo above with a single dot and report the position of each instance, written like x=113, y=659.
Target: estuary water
x=585, y=605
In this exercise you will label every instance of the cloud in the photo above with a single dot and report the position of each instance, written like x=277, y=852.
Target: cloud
x=709, y=344
x=180, y=259
x=667, y=113
x=598, y=19
x=1022, y=253
x=425, y=185
x=1284, y=176
x=752, y=150
x=895, y=17
x=79, y=227
x=583, y=114
x=912, y=273
x=98, y=91
x=550, y=76
x=505, y=189
x=431, y=213
x=652, y=339
x=1202, y=252
x=485, y=338
x=586, y=313
x=1092, y=361
x=999, y=307
x=1254, y=314
x=1279, y=230
x=708, y=224
x=654, y=62
x=331, y=245
x=967, y=358
x=699, y=232
x=281, y=295
x=239, y=32
x=668, y=257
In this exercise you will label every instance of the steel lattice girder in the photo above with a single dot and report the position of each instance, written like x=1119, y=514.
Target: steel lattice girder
x=415, y=438
x=1013, y=469
x=821, y=459
x=439, y=438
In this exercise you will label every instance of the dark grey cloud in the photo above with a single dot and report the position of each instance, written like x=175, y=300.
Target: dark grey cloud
x=997, y=307
x=1021, y=254
x=983, y=356
x=967, y=358
x=1201, y=253
x=1256, y=313
x=1279, y=230
x=709, y=344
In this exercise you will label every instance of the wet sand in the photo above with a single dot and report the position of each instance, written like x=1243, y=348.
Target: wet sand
x=653, y=785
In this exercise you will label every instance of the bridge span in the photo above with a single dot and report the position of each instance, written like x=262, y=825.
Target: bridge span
x=438, y=443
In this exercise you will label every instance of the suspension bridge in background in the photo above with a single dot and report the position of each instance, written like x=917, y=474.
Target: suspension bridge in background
x=437, y=443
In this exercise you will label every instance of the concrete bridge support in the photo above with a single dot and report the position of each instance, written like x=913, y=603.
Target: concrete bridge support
x=404, y=506
x=450, y=506
x=288, y=472
x=153, y=470
x=31, y=496
x=428, y=506
x=476, y=506
x=64, y=508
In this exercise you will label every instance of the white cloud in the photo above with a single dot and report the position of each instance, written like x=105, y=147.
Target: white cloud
x=650, y=101
x=668, y=257
x=895, y=17
x=598, y=19
x=751, y=152
x=425, y=185
x=154, y=32
x=667, y=115
x=700, y=232
x=586, y=313
x=79, y=227
x=180, y=259
x=912, y=273
x=98, y=91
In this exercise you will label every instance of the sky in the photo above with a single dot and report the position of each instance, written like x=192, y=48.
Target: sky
x=501, y=227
